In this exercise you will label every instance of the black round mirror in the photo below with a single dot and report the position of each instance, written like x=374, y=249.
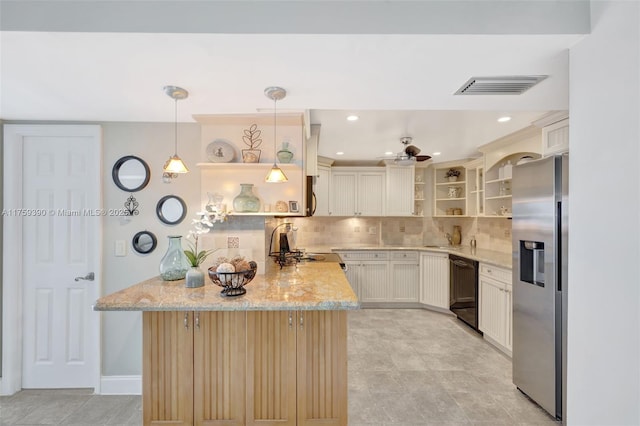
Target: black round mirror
x=131, y=173
x=171, y=209
x=144, y=242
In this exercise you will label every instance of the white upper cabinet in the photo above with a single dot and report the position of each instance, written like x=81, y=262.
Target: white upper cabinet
x=400, y=190
x=357, y=191
x=555, y=138
x=322, y=189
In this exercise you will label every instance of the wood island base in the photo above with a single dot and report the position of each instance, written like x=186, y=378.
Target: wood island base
x=245, y=367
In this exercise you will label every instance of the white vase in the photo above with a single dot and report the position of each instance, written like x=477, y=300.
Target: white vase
x=453, y=178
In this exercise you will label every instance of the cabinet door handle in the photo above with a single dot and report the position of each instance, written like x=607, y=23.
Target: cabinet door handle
x=290, y=319
x=186, y=320
x=198, y=320
x=301, y=320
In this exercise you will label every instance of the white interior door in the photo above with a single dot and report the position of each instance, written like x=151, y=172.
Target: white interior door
x=61, y=227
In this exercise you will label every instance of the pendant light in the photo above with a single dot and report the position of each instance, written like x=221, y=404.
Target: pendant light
x=276, y=175
x=174, y=164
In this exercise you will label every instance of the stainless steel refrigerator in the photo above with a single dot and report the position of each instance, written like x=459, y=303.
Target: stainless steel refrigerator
x=540, y=236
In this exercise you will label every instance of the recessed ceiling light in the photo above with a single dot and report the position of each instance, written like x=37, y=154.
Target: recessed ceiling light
x=437, y=153
x=504, y=119
x=388, y=153
x=352, y=118
x=339, y=153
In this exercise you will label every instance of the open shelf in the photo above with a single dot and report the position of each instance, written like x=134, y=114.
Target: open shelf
x=458, y=182
x=499, y=197
x=247, y=165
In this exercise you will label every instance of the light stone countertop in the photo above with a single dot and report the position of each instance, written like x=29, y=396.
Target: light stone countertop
x=307, y=286
x=496, y=258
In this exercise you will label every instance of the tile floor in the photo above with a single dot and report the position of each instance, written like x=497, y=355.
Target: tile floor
x=407, y=367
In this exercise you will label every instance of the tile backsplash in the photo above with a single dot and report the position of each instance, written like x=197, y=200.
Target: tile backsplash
x=490, y=233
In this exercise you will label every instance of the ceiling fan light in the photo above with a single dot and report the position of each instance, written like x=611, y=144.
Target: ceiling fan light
x=175, y=165
x=405, y=161
x=276, y=175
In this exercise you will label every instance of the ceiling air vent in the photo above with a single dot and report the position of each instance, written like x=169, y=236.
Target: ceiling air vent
x=508, y=85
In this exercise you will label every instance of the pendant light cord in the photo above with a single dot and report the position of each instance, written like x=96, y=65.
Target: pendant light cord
x=275, y=153
x=175, y=125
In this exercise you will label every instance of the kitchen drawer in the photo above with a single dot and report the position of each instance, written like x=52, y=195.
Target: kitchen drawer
x=364, y=255
x=497, y=273
x=404, y=255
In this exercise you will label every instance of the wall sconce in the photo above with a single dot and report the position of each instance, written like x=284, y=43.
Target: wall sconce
x=174, y=165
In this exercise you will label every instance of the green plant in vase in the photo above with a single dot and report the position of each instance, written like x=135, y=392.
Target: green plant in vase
x=195, y=257
x=452, y=175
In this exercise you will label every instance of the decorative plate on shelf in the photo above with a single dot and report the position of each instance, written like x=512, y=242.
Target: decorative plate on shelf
x=220, y=151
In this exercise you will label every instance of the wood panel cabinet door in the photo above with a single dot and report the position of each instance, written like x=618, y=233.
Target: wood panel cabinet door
x=492, y=320
x=322, y=368
x=405, y=281
x=353, y=273
x=322, y=191
x=371, y=193
x=434, y=279
x=219, y=368
x=508, y=337
x=167, y=374
x=400, y=191
x=271, y=368
x=343, y=194
x=374, y=282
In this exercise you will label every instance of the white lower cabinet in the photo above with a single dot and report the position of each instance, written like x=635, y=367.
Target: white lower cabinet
x=495, y=310
x=434, y=280
x=374, y=282
x=383, y=276
x=404, y=274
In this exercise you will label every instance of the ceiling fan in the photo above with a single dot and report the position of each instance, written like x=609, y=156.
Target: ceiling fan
x=409, y=155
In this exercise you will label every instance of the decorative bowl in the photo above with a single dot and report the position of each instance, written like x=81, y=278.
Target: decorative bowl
x=233, y=283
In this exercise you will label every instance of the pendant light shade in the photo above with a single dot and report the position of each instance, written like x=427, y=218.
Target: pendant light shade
x=174, y=165
x=276, y=175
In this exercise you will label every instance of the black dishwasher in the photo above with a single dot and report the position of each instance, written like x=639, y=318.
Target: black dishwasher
x=463, y=289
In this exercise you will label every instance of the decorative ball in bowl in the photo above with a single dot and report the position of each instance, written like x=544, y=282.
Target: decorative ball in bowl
x=232, y=281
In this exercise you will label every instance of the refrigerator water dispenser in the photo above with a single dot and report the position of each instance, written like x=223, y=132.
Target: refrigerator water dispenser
x=532, y=262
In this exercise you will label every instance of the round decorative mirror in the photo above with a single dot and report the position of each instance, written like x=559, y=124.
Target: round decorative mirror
x=131, y=173
x=144, y=242
x=171, y=209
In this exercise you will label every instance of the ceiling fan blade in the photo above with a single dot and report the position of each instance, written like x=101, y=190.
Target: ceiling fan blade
x=422, y=157
x=412, y=150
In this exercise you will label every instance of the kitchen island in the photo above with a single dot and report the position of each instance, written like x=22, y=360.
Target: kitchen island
x=276, y=355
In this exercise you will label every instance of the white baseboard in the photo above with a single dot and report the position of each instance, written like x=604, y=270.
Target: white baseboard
x=121, y=385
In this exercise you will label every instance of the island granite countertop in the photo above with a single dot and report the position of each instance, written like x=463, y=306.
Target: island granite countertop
x=306, y=286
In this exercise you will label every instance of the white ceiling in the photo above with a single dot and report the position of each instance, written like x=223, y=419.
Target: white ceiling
x=399, y=85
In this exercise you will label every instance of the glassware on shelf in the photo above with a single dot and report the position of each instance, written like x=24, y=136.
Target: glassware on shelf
x=246, y=201
x=284, y=155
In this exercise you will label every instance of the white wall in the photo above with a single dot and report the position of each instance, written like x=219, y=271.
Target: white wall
x=604, y=298
x=122, y=331
x=153, y=142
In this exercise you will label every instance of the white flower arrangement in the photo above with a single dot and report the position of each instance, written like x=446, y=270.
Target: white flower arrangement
x=202, y=224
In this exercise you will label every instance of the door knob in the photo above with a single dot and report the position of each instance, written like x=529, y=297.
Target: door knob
x=89, y=277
